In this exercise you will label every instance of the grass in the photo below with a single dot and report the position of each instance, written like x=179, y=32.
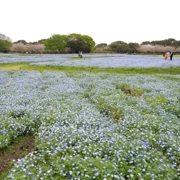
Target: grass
x=128, y=90
x=13, y=66
x=26, y=66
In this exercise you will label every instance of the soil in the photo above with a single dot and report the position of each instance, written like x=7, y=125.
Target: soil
x=17, y=150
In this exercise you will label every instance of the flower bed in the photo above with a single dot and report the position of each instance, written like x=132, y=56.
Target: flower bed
x=92, y=126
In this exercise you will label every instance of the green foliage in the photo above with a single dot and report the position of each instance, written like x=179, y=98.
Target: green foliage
x=77, y=42
x=101, y=45
x=128, y=90
x=122, y=47
x=5, y=46
x=101, y=48
x=108, y=110
x=119, y=47
x=18, y=114
x=72, y=43
x=166, y=42
x=145, y=42
x=26, y=66
x=133, y=47
x=56, y=43
x=20, y=41
x=42, y=41
x=76, y=58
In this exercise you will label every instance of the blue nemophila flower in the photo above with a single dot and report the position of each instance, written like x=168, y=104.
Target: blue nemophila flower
x=117, y=60
x=86, y=126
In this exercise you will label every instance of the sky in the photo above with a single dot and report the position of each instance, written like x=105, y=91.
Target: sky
x=105, y=21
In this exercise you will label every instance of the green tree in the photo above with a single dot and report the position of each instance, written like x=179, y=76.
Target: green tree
x=5, y=43
x=145, y=42
x=89, y=44
x=133, y=47
x=178, y=43
x=101, y=45
x=119, y=47
x=5, y=46
x=56, y=43
x=101, y=48
x=20, y=41
x=166, y=42
x=77, y=42
x=41, y=41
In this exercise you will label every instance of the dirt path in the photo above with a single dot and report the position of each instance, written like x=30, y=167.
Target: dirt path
x=15, y=151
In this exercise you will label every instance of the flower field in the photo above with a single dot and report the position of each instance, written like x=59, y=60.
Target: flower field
x=93, y=60
x=115, y=61
x=92, y=126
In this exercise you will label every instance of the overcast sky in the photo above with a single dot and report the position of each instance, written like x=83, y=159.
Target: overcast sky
x=105, y=21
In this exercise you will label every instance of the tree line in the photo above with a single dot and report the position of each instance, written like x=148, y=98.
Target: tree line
x=73, y=43
x=57, y=43
x=167, y=42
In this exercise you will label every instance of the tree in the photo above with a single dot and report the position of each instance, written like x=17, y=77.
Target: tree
x=101, y=45
x=41, y=41
x=56, y=43
x=145, y=42
x=119, y=47
x=77, y=42
x=100, y=48
x=20, y=41
x=124, y=48
x=4, y=37
x=133, y=47
x=166, y=42
x=5, y=46
x=88, y=43
x=5, y=43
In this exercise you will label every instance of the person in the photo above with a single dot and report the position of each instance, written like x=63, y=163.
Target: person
x=80, y=54
x=166, y=56
x=171, y=55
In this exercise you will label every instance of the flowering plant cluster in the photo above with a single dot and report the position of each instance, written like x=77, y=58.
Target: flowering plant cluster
x=118, y=60
x=92, y=60
x=92, y=126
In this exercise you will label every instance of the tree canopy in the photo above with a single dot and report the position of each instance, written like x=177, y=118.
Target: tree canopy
x=72, y=43
x=77, y=42
x=56, y=42
x=20, y=41
x=166, y=42
x=5, y=43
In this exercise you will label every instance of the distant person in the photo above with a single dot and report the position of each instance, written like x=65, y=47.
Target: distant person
x=166, y=56
x=80, y=54
x=171, y=55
